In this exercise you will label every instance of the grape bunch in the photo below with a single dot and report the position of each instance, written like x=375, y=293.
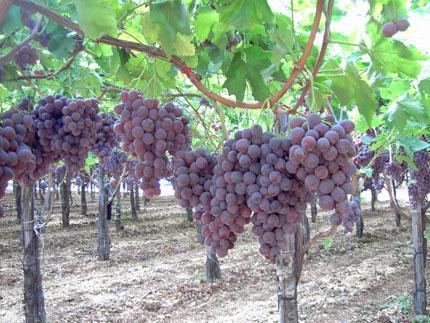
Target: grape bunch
x=18, y=135
x=268, y=181
x=78, y=132
x=396, y=170
x=419, y=189
x=113, y=164
x=250, y=177
x=150, y=132
x=193, y=173
x=106, y=139
x=27, y=55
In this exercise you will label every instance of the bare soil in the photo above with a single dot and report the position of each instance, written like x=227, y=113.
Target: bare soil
x=156, y=272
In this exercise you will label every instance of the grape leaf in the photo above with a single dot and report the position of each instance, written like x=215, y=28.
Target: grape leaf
x=60, y=44
x=244, y=14
x=96, y=18
x=12, y=21
x=403, y=109
x=246, y=68
x=183, y=45
x=166, y=20
x=204, y=22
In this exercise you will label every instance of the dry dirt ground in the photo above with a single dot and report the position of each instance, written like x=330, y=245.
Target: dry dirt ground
x=156, y=273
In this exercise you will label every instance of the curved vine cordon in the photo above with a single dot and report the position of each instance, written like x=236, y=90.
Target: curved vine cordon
x=192, y=75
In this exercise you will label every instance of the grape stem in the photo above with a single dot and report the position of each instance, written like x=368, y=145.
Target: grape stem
x=317, y=237
x=118, y=184
x=192, y=75
x=326, y=40
x=24, y=42
x=51, y=75
x=393, y=201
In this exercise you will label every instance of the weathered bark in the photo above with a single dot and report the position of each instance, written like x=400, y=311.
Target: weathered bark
x=118, y=223
x=92, y=193
x=34, y=301
x=359, y=227
x=103, y=248
x=424, y=220
x=137, y=198
x=420, y=298
x=199, y=227
x=213, y=270
x=314, y=209
x=397, y=215
x=17, y=191
x=373, y=199
x=84, y=207
x=189, y=213
x=65, y=201
x=307, y=230
x=132, y=203
x=288, y=272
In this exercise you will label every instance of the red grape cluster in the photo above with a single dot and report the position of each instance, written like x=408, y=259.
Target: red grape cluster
x=106, y=139
x=193, y=173
x=150, y=132
x=80, y=123
x=27, y=55
x=114, y=163
x=321, y=156
x=419, y=188
x=273, y=178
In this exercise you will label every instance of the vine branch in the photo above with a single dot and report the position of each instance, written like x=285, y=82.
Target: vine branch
x=326, y=41
x=24, y=42
x=318, y=236
x=192, y=75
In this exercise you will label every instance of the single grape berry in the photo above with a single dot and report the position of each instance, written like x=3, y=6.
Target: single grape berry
x=389, y=29
x=402, y=24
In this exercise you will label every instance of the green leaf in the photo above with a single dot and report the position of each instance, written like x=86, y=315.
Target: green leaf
x=283, y=38
x=392, y=56
x=12, y=21
x=166, y=20
x=204, y=22
x=342, y=88
x=183, y=45
x=96, y=18
x=404, y=109
x=244, y=14
x=412, y=144
x=59, y=43
x=246, y=68
x=424, y=86
x=327, y=242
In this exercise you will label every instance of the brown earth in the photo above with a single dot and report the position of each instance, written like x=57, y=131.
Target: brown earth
x=156, y=272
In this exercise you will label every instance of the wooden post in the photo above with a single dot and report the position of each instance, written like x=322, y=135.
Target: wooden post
x=84, y=207
x=287, y=282
x=17, y=191
x=397, y=216
x=213, y=270
x=137, y=197
x=118, y=223
x=65, y=201
x=314, y=209
x=373, y=199
x=190, y=215
x=132, y=203
x=34, y=301
x=103, y=240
